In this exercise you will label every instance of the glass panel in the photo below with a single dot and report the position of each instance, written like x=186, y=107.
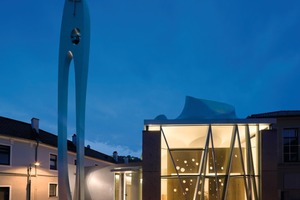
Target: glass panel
x=186, y=136
x=186, y=161
x=254, y=143
x=164, y=188
x=164, y=161
x=4, y=155
x=236, y=189
x=222, y=156
x=222, y=135
x=53, y=162
x=237, y=161
x=181, y=189
x=290, y=133
x=216, y=187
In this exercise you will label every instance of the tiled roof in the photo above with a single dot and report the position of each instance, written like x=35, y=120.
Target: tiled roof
x=17, y=129
x=277, y=114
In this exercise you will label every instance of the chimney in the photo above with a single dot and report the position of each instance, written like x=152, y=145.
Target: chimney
x=115, y=156
x=74, y=139
x=35, y=124
x=88, y=146
x=126, y=159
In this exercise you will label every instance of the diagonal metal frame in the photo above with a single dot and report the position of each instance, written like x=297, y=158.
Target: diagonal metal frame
x=203, y=162
x=227, y=176
x=214, y=161
x=242, y=161
x=202, y=172
x=252, y=180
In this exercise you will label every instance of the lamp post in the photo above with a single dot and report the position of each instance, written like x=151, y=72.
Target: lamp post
x=28, y=187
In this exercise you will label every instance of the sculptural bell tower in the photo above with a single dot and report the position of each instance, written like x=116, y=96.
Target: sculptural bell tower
x=74, y=45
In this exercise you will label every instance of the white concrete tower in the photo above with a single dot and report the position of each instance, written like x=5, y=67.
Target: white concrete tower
x=74, y=44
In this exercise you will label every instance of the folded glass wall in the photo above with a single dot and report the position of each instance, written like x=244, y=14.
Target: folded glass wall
x=210, y=162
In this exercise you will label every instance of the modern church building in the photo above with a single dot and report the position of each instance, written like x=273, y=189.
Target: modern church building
x=207, y=153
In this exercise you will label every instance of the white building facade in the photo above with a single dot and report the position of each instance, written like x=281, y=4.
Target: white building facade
x=28, y=162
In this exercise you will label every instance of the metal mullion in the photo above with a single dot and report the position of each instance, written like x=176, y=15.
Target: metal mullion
x=229, y=163
x=242, y=161
x=214, y=160
x=203, y=167
x=198, y=177
x=249, y=153
x=174, y=165
x=258, y=154
x=197, y=184
x=253, y=176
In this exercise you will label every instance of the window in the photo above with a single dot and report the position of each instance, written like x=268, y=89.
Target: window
x=53, y=162
x=52, y=190
x=4, y=193
x=4, y=155
x=290, y=145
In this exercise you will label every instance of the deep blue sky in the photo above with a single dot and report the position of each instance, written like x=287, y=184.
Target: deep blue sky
x=146, y=56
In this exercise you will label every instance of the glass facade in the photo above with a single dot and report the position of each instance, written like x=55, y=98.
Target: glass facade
x=210, y=161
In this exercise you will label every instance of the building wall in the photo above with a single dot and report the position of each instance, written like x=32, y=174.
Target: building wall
x=99, y=183
x=288, y=173
x=269, y=165
x=16, y=174
x=151, y=165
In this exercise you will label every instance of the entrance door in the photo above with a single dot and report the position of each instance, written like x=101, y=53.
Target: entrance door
x=123, y=186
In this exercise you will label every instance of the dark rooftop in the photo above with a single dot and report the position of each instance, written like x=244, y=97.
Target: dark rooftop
x=17, y=129
x=277, y=114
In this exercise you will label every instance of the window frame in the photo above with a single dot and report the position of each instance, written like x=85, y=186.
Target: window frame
x=9, y=190
x=53, y=167
x=49, y=190
x=289, y=152
x=9, y=155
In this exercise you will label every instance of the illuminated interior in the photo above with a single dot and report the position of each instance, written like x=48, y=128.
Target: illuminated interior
x=210, y=161
x=128, y=183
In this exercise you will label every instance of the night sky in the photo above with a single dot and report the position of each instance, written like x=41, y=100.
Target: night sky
x=146, y=56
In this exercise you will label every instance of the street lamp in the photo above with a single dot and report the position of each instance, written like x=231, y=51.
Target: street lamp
x=28, y=188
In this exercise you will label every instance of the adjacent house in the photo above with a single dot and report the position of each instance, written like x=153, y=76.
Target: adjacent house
x=28, y=166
